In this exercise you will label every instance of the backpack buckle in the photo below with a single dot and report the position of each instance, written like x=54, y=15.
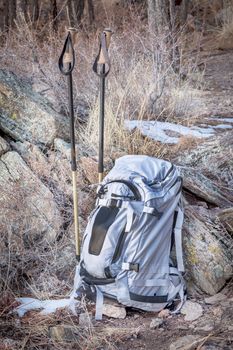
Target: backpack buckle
x=130, y=266
x=114, y=203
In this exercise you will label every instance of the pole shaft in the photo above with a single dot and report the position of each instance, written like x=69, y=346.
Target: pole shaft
x=72, y=132
x=101, y=124
x=76, y=222
x=73, y=165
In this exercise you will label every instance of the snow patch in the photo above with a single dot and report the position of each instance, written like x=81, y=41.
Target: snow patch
x=222, y=126
x=50, y=306
x=47, y=306
x=157, y=130
x=219, y=119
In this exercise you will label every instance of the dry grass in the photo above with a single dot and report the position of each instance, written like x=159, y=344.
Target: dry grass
x=57, y=331
x=224, y=29
x=142, y=83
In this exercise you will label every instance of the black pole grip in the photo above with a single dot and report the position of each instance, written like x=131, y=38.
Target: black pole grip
x=103, y=52
x=67, y=59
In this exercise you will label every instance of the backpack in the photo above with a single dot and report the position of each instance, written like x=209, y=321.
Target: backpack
x=127, y=244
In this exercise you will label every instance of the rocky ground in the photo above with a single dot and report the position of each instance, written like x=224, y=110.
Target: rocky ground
x=37, y=233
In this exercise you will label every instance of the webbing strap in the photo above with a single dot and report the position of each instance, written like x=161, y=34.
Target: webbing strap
x=112, y=202
x=179, y=289
x=99, y=304
x=130, y=216
x=152, y=211
x=155, y=282
x=178, y=240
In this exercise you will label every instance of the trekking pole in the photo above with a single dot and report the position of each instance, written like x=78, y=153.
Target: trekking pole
x=66, y=66
x=101, y=67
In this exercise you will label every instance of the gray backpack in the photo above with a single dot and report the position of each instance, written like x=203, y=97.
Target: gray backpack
x=126, y=249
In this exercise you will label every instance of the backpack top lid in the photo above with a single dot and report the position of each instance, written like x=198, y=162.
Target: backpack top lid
x=129, y=167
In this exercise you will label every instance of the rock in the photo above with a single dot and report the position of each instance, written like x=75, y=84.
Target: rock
x=156, y=323
x=86, y=202
x=90, y=169
x=206, y=328
x=26, y=115
x=32, y=155
x=217, y=312
x=215, y=299
x=194, y=181
x=226, y=217
x=164, y=313
x=63, y=147
x=191, y=310
x=207, y=250
x=27, y=204
x=114, y=311
x=64, y=333
x=4, y=146
x=188, y=342
x=58, y=171
x=85, y=320
x=213, y=158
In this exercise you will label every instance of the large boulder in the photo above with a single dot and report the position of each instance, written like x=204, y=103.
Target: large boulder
x=26, y=115
x=207, y=250
x=201, y=186
x=27, y=206
x=213, y=158
x=207, y=171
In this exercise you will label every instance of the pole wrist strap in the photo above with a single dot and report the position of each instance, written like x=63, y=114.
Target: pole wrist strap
x=67, y=59
x=102, y=48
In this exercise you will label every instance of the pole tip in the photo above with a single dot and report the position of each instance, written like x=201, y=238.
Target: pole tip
x=78, y=258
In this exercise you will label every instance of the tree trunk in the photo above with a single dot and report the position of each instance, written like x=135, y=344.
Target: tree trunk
x=3, y=15
x=11, y=12
x=151, y=16
x=158, y=15
x=34, y=9
x=91, y=14
x=54, y=13
x=75, y=12
x=21, y=8
x=184, y=11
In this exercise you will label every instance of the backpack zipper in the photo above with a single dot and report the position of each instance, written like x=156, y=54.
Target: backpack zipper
x=159, y=182
x=130, y=185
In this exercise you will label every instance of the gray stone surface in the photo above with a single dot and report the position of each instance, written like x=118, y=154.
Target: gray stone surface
x=156, y=323
x=213, y=158
x=114, y=311
x=64, y=333
x=27, y=205
x=63, y=147
x=197, y=183
x=188, y=342
x=26, y=115
x=207, y=250
x=191, y=310
x=217, y=298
